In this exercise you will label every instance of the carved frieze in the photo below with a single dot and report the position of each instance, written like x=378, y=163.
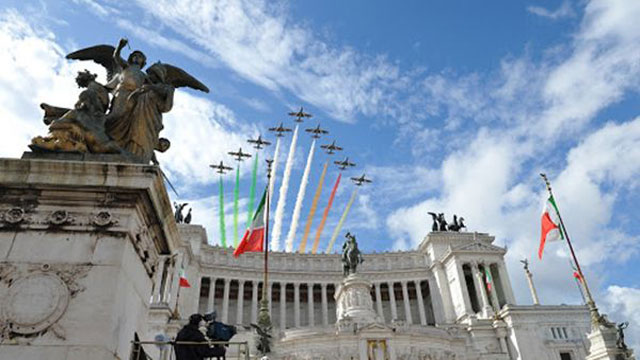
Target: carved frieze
x=36, y=297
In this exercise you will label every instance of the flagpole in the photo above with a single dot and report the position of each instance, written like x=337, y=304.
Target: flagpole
x=264, y=319
x=590, y=302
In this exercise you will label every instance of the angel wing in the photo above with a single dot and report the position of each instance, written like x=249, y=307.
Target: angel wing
x=177, y=77
x=100, y=54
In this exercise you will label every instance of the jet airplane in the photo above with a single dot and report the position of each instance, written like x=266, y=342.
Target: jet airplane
x=360, y=180
x=344, y=163
x=300, y=115
x=331, y=148
x=316, y=132
x=239, y=155
x=279, y=130
x=258, y=143
x=221, y=168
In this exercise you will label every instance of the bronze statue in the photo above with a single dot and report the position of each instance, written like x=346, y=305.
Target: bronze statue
x=80, y=129
x=351, y=255
x=263, y=345
x=457, y=225
x=139, y=98
x=434, y=226
x=620, y=338
x=179, y=207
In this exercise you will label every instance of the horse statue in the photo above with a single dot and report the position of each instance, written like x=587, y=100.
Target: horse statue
x=351, y=256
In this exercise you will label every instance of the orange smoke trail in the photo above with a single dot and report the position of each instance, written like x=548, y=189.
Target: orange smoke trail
x=325, y=215
x=314, y=206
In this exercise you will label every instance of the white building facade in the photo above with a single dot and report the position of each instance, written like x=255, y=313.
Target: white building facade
x=451, y=298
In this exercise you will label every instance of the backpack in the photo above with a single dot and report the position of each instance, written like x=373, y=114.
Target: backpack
x=218, y=331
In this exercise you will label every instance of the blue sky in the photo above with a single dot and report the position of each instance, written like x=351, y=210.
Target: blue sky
x=450, y=106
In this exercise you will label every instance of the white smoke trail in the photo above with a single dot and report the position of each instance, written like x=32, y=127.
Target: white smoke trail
x=274, y=168
x=298, y=207
x=282, y=198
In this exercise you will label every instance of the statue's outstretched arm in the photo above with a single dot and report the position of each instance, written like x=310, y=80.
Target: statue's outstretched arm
x=116, y=54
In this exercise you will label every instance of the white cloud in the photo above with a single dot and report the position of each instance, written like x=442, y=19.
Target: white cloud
x=35, y=71
x=623, y=304
x=563, y=11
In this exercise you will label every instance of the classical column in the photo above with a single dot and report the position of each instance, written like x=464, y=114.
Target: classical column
x=506, y=284
x=407, y=304
x=269, y=295
x=465, y=290
x=254, y=301
x=443, y=292
x=392, y=300
x=283, y=306
x=480, y=288
x=155, y=297
x=225, y=300
x=325, y=305
x=212, y=294
x=423, y=318
x=379, y=301
x=493, y=295
x=310, y=304
x=296, y=304
x=240, y=302
x=175, y=278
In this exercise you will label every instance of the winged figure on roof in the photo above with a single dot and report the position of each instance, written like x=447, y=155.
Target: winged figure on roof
x=132, y=115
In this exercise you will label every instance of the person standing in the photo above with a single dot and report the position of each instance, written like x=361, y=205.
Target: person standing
x=191, y=333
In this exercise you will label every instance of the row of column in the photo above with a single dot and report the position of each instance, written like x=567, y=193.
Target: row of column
x=489, y=302
x=324, y=302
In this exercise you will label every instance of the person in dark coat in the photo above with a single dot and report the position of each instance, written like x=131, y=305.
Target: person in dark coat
x=191, y=332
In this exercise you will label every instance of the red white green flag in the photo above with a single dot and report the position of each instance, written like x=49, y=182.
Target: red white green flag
x=183, y=279
x=550, y=224
x=253, y=239
x=576, y=273
x=487, y=278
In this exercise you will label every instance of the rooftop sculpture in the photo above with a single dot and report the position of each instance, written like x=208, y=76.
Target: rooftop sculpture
x=129, y=121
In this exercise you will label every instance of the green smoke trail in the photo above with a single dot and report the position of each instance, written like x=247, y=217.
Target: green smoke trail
x=252, y=192
x=236, y=196
x=344, y=216
x=223, y=230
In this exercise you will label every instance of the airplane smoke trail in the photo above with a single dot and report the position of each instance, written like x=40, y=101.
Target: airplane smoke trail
x=252, y=192
x=236, y=196
x=298, y=207
x=312, y=212
x=274, y=168
x=344, y=216
x=223, y=230
x=325, y=215
x=282, y=199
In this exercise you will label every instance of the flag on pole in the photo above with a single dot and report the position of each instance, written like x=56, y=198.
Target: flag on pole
x=183, y=279
x=550, y=230
x=253, y=239
x=576, y=273
x=487, y=278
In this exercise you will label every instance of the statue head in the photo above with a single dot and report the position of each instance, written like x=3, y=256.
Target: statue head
x=84, y=78
x=137, y=57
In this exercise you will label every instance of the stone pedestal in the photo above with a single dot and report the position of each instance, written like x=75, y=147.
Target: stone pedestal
x=354, y=306
x=603, y=344
x=79, y=244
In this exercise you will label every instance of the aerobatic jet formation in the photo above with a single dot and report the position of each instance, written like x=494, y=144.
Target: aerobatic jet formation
x=331, y=148
x=239, y=155
x=259, y=143
x=221, y=168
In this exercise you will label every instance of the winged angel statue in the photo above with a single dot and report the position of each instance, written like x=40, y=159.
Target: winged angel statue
x=129, y=121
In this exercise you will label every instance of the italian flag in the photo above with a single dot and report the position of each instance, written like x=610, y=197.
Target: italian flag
x=487, y=277
x=183, y=279
x=253, y=239
x=550, y=219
